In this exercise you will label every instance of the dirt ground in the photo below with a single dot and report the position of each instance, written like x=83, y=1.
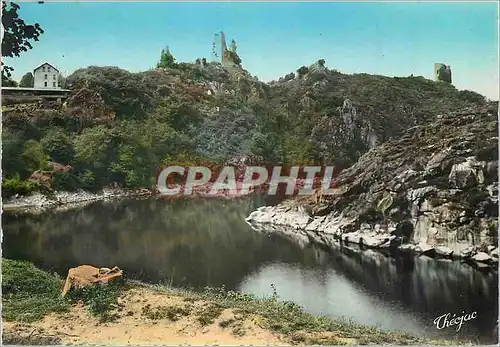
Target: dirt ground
x=134, y=327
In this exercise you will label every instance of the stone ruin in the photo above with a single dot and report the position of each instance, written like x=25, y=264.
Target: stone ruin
x=222, y=54
x=442, y=72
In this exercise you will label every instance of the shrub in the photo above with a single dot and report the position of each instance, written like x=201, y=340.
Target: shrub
x=66, y=181
x=100, y=299
x=14, y=185
x=58, y=145
x=29, y=293
x=33, y=157
x=468, y=95
x=303, y=71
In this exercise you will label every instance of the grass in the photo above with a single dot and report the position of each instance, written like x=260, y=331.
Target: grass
x=291, y=320
x=209, y=313
x=172, y=313
x=102, y=301
x=204, y=315
x=286, y=317
x=30, y=293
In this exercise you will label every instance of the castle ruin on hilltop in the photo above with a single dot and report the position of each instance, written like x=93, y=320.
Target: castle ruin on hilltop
x=221, y=54
x=442, y=72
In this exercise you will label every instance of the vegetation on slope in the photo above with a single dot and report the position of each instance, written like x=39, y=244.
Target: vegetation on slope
x=29, y=294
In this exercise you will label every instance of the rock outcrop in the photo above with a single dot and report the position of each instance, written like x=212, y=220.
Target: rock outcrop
x=442, y=181
x=45, y=177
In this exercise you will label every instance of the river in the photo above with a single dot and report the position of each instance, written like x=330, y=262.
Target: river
x=196, y=243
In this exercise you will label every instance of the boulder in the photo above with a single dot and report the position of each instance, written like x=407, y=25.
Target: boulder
x=353, y=237
x=407, y=247
x=467, y=252
x=373, y=242
x=424, y=249
x=481, y=257
x=365, y=227
x=444, y=251
x=462, y=175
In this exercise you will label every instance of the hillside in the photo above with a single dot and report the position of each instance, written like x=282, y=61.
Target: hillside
x=433, y=190
x=117, y=126
x=349, y=114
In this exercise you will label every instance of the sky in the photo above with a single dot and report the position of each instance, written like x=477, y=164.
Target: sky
x=273, y=38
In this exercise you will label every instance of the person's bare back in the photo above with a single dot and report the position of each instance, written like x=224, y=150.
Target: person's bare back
x=85, y=275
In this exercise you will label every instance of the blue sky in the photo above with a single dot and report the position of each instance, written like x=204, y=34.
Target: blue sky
x=394, y=39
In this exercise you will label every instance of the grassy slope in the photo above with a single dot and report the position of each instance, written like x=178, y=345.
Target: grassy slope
x=29, y=294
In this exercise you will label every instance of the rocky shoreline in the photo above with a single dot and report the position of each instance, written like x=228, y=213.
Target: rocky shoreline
x=62, y=200
x=333, y=230
x=434, y=191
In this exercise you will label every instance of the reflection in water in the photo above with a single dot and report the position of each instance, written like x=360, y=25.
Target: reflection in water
x=192, y=243
x=206, y=242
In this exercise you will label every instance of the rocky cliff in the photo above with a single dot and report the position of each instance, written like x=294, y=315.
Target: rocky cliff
x=433, y=191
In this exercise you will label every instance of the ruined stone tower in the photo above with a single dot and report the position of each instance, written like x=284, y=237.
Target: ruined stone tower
x=217, y=49
x=442, y=72
x=220, y=52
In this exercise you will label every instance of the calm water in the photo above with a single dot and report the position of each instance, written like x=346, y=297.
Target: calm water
x=207, y=242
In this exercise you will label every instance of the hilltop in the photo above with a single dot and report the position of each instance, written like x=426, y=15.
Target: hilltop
x=117, y=126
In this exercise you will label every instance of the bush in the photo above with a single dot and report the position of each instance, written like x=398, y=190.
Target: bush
x=87, y=179
x=100, y=299
x=303, y=71
x=58, y=145
x=29, y=293
x=65, y=181
x=33, y=157
x=14, y=185
x=128, y=94
x=468, y=95
x=27, y=81
x=12, y=147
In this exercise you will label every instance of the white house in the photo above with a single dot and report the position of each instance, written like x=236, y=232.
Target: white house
x=46, y=76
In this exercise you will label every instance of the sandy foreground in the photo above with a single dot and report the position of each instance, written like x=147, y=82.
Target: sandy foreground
x=132, y=327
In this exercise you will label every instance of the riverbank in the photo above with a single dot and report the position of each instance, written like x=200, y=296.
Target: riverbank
x=38, y=202
x=330, y=230
x=133, y=313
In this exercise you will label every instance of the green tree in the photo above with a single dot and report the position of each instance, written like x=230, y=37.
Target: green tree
x=179, y=115
x=27, y=81
x=16, y=34
x=167, y=60
x=8, y=82
x=61, y=81
x=33, y=157
x=141, y=149
x=58, y=145
x=95, y=149
x=12, y=147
